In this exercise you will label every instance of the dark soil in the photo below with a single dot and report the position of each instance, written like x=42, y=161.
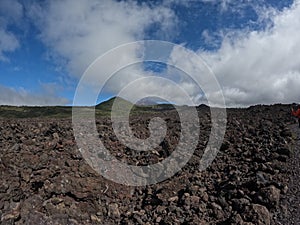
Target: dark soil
x=253, y=180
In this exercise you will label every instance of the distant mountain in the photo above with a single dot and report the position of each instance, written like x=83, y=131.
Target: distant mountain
x=107, y=105
x=104, y=109
x=146, y=102
x=146, y=105
x=151, y=101
x=203, y=106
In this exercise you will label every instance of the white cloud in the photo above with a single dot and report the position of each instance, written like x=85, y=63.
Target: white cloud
x=166, y=87
x=200, y=78
x=258, y=66
x=88, y=29
x=10, y=12
x=20, y=96
x=80, y=31
x=251, y=66
x=8, y=43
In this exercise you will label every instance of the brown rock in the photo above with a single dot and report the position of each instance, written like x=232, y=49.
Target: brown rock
x=113, y=210
x=260, y=215
x=240, y=204
x=96, y=219
x=270, y=196
x=173, y=199
x=236, y=219
x=55, y=135
x=14, y=215
x=194, y=200
x=217, y=210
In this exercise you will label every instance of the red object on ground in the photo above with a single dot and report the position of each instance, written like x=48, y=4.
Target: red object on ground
x=296, y=113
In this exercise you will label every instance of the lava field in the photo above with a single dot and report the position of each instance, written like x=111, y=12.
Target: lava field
x=253, y=180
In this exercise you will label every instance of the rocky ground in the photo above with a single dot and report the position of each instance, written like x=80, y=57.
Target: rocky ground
x=253, y=180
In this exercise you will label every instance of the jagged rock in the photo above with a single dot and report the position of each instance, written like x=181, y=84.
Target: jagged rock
x=42, y=169
x=173, y=199
x=217, y=210
x=236, y=219
x=259, y=215
x=285, y=150
x=55, y=136
x=270, y=196
x=113, y=210
x=240, y=204
x=286, y=132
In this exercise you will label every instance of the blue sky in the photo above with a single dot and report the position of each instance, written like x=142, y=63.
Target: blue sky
x=45, y=46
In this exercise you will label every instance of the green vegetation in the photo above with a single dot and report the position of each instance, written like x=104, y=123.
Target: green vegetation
x=102, y=109
x=31, y=111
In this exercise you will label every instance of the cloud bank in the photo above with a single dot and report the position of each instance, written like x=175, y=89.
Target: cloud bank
x=10, y=12
x=81, y=31
x=20, y=97
x=254, y=65
x=260, y=66
x=89, y=29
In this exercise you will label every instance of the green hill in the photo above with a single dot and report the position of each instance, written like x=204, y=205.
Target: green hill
x=102, y=109
x=35, y=111
x=107, y=105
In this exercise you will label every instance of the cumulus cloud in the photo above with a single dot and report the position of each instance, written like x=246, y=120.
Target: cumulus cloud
x=8, y=43
x=88, y=29
x=10, y=12
x=170, y=87
x=260, y=65
x=81, y=31
x=20, y=96
x=256, y=67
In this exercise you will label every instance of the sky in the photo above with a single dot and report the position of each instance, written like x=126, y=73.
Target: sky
x=252, y=48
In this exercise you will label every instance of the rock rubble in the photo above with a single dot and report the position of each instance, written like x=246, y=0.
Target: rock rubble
x=45, y=180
